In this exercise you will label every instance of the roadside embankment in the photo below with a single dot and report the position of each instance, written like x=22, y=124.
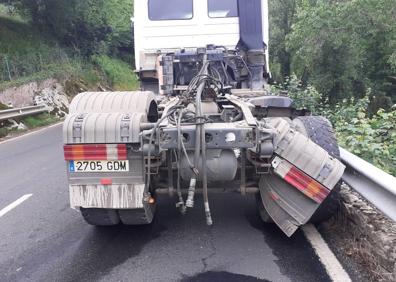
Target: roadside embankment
x=54, y=94
x=363, y=235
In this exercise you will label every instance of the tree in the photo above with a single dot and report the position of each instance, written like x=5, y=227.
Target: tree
x=346, y=46
x=282, y=16
x=90, y=26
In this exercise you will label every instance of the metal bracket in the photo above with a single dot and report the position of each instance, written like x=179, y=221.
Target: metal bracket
x=125, y=125
x=243, y=172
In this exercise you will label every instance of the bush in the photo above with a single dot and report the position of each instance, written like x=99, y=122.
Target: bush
x=304, y=97
x=3, y=132
x=373, y=138
x=89, y=26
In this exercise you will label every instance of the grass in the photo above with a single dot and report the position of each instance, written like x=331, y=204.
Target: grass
x=26, y=54
x=30, y=122
x=3, y=132
x=119, y=74
x=3, y=107
x=39, y=120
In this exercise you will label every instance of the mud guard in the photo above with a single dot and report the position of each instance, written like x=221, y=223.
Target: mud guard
x=288, y=207
x=291, y=206
x=111, y=118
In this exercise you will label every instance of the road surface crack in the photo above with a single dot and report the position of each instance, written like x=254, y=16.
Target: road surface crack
x=212, y=254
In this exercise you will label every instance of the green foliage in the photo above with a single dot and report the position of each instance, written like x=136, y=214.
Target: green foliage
x=91, y=77
x=346, y=47
x=26, y=54
x=89, y=26
x=282, y=15
x=343, y=48
x=304, y=97
x=58, y=37
x=3, y=107
x=372, y=137
x=3, y=132
x=120, y=74
x=39, y=120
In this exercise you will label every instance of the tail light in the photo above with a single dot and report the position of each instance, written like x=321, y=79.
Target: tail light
x=298, y=179
x=95, y=152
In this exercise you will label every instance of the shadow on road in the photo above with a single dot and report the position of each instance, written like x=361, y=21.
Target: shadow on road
x=221, y=276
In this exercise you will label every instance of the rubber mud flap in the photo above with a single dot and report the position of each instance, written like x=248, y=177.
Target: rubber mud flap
x=142, y=216
x=287, y=206
x=100, y=217
x=297, y=155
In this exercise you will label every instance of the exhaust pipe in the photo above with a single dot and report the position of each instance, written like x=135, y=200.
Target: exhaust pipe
x=252, y=40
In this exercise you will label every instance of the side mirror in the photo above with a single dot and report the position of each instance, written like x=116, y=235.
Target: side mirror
x=132, y=22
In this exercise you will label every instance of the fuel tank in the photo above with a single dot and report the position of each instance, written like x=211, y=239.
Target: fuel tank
x=221, y=165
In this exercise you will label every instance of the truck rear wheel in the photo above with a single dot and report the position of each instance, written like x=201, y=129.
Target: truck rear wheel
x=100, y=217
x=320, y=131
x=265, y=217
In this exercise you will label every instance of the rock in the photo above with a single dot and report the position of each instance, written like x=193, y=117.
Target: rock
x=15, y=125
x=21, y=126
x=49, y=92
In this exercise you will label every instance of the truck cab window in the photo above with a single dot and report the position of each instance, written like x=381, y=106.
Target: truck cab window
x=160, y=10
x=223, y=8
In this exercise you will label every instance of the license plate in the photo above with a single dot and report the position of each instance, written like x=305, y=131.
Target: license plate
x=98, y=166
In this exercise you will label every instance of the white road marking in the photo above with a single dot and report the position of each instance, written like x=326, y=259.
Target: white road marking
x=30, y=133
x=333, y=267
x=14, y=204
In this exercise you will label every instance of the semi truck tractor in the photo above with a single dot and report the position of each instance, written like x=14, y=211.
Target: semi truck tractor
x=204, y=118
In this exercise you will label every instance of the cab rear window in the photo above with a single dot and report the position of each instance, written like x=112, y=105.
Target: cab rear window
x=160, y=10
x=223, y=8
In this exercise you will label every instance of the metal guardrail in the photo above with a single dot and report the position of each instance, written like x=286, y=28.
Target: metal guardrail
x=21, y=112
x=378, y=187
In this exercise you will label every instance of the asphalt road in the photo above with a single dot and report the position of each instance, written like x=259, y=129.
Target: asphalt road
x=42, y=239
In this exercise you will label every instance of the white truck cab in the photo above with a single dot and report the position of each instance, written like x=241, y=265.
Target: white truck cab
x=164, y=26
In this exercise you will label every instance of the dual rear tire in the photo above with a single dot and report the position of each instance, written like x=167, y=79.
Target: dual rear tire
x=111, y=217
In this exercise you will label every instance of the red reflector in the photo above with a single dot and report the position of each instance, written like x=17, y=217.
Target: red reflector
x=298, y=179
x=122, y=151
x=95, y=152
x=106, y=181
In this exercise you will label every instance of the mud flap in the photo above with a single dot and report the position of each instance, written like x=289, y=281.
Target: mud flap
x=118, y=196
x=140, y=216
x=129, y=200
x=302, y=176
x=288, y=207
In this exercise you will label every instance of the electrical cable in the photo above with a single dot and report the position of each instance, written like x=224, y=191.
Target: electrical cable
x=148, y=178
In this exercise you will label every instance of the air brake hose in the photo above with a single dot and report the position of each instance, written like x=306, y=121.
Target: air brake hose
x=181, y=205
x=202, y=145
x=151, y=139
x=208, y=215
x=198, y=115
